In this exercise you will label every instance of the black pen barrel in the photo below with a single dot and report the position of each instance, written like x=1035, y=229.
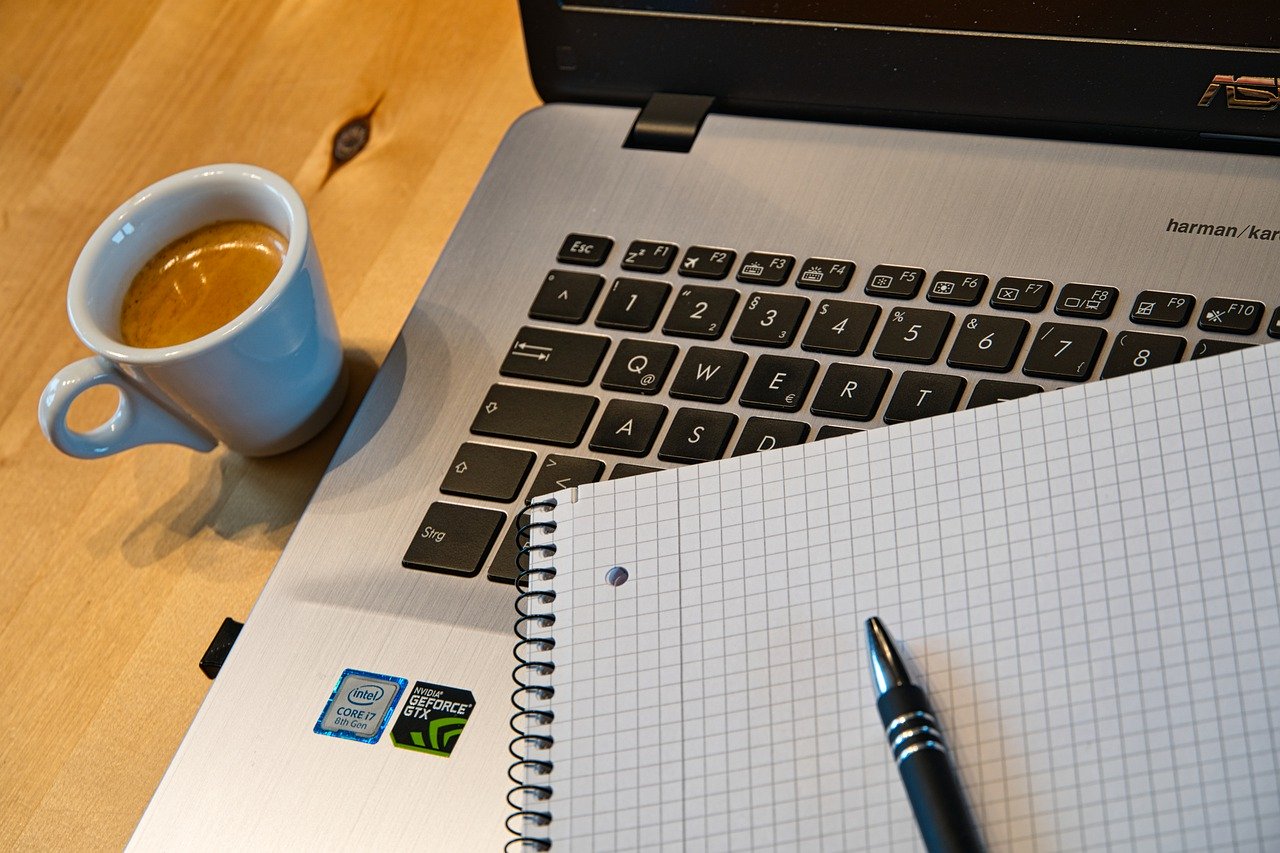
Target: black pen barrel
x=938, y=801
x=921, y=754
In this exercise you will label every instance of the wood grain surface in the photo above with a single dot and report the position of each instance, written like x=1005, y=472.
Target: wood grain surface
x=116, y=573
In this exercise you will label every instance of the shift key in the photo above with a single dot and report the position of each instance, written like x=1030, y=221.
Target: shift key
x=534, y=414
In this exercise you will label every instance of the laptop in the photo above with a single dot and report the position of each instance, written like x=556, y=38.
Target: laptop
x=734, y=225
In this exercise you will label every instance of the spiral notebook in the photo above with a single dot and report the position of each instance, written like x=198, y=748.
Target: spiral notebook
x=1086, y=580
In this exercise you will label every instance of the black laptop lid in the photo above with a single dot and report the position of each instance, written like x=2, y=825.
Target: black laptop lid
x=1180, y=73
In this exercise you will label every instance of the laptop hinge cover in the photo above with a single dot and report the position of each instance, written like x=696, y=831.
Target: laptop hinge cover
x=669, y=122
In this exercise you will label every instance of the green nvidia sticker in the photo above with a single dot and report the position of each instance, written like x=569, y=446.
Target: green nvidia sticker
x=432, y=718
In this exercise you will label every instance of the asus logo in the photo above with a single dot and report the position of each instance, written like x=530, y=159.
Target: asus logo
x=1244, y=93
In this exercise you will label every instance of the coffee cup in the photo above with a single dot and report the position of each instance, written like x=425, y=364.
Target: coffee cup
x=261, y=383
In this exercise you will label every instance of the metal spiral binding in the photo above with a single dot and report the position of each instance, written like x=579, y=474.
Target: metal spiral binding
x=531, y=676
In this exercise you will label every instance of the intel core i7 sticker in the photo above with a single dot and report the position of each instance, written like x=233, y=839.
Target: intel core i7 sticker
x=360, y=706
x=432, y=718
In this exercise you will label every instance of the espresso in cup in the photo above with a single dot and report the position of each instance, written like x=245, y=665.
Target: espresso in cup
x=200, y=282
x=203, y=302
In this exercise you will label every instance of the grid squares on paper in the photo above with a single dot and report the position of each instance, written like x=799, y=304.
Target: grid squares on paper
x=1086, y=581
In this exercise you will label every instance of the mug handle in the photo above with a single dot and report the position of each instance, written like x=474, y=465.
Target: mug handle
x=138, y=419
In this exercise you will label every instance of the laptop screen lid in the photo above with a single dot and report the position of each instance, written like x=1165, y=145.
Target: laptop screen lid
x=1180, y=73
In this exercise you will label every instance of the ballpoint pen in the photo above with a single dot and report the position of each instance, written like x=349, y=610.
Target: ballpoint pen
x=914, y=736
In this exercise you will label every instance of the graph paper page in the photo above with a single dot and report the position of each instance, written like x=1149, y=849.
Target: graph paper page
x=1085, y=582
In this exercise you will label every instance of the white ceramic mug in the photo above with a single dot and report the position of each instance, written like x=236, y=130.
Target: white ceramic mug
x=262, y=384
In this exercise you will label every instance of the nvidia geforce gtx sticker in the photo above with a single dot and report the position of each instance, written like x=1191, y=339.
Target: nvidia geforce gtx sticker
x=432, y=718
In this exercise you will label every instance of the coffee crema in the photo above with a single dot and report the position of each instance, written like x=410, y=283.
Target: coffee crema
x=200, y=282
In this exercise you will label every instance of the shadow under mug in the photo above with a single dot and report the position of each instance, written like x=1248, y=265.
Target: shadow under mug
x=264, y=383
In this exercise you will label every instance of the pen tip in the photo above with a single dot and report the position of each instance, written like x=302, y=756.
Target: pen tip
x=887, y=668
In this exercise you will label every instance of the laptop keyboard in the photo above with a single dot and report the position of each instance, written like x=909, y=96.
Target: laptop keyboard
x=782, y=353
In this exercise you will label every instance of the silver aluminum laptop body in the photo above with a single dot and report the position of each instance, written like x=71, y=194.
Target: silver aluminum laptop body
x=252, y=772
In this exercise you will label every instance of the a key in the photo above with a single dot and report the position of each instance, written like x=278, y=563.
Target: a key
x=765, y=268
x=697, y=435
x=913, y=334
x=825, y=274
x=586, y=249
x=894, y=281
x=708, y=374
x=778, y=382
x=534, y=414
x=851, y=391
x=566, y=297
x=956, y=288
x=1235, y=316
x=1157, y=308
x=1208, y=347
x=453, y=538
x=988, y=343
x=840, y=327
x=700, y=311
x=1064, y=351
x=648, y=256
x=639, y=366
x=554, y=356
x=1273, y=328
x=1091, y=301
x=628, y=427
x=770, y=319
x=707, y=262
x=761, y=434
x=989, y=391
x=486, y=471
x=923, y=395
x=633, y=304
x=1021, y=294
x=1134, y=351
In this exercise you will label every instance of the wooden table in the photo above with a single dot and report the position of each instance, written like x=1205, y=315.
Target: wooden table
x=116, y=573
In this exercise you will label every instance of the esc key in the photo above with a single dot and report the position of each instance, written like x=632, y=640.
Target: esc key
x=584, y=249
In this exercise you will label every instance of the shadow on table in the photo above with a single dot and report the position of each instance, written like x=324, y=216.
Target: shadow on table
x=254, y=501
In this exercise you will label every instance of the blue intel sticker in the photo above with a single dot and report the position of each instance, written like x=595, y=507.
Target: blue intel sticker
x=360, y=706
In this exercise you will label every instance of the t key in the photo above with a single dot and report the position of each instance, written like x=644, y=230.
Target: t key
x=923, y=395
